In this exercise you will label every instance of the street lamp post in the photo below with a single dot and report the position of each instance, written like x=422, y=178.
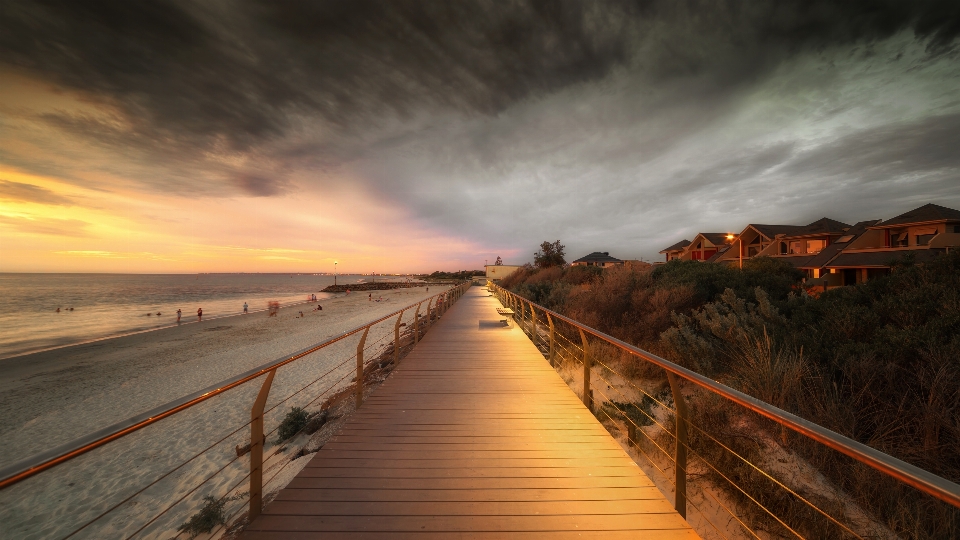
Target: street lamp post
x=334, y=273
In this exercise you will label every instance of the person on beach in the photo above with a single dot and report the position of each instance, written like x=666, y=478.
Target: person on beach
x=370, y=297
x=199, y=314
x=179, y=313
x=58, y=310
x=244, y=307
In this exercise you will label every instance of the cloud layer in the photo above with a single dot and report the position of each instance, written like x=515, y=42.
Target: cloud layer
x=611, y=125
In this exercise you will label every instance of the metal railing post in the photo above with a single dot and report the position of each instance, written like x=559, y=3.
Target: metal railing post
x=552, y=353
x=256, y=447
x=363, y=340
x=533, y=325
x=680, y=501
x=416, y=325
x=396, y=340
x=587, y=395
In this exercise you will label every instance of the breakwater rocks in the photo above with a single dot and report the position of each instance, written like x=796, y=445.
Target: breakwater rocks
x=381, y=286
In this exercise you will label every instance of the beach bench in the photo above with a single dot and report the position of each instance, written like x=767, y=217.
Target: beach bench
x=505, y=312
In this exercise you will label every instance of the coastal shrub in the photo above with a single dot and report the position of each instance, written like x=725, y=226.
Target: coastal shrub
x=776, y=277
x=639, y=414
x=207, y=518
x=292, y=423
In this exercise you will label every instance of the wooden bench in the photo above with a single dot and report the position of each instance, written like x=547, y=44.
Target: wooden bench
x=505, y=312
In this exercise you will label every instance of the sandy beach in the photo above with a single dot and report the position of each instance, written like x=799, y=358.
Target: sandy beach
x=54, y=397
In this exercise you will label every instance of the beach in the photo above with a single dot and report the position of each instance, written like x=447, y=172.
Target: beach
x=54, y=397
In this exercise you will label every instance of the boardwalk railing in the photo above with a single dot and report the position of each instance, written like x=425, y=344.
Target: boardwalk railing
x=182, y=468
x=787, y=498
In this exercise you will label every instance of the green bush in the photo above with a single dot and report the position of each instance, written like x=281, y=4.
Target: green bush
x=295, y=420
x=207, y=518
x=640, y=414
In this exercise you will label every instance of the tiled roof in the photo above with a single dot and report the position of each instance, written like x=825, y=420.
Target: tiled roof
x=828, y=253
x=715, y=238
x=825, y=225
x=598, y=256
x=771, y=231
x=880, y=258
x=720, y=251
x=676, y=247
x=924, y=214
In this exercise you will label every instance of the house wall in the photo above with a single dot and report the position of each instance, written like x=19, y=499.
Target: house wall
x=500, y=271
x=886, y=237
x=732, y=255
x=707, y=249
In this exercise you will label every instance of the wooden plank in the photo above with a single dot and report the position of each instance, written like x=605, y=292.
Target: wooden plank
x=501, y=495
x=469, y=508
x=504, y=524
x=473, y=436
x=475, y=463
x=479, y=472
x=385, y=454
x=673, y=534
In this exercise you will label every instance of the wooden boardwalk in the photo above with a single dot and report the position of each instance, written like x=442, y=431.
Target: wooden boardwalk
x=473, y=436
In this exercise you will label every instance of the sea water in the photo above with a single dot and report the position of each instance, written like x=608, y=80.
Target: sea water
x=106, y=305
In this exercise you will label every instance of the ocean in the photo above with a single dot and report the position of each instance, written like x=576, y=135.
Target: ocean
x=107, y=305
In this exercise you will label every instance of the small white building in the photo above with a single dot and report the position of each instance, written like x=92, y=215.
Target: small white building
x=496, y=272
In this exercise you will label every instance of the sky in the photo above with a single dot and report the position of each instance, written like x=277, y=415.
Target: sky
x=412, y=136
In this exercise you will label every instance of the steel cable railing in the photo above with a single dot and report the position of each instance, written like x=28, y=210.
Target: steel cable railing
x=608, y=401
x=574, y=356
x=203, y=464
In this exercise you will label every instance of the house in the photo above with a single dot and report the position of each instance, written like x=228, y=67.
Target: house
x=598, y=258
x=800, y=247
x=816, y=267
x=752, y=240
x=675, y=251
x=706, y=245
x=795, y=243
x=923, y=232
x=496, y=272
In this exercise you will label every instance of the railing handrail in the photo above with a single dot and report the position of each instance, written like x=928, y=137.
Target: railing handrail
x=921, y=479
x=25, y=468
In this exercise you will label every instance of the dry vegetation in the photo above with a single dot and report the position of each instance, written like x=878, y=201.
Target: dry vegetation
x=878, y=362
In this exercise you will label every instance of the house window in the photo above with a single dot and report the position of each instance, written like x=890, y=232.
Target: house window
x=924, y=239
x=796, y=247
x=783, y=248
x=956, y=228
x=815, y=246
x=898, y=239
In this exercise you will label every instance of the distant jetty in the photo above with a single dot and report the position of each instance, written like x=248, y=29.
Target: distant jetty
x=382, y=286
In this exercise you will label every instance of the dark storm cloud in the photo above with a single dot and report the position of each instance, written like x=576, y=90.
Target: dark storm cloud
x=565, y=106
x=747, y=164
x=18, y=191
x=887, y=151
x=238, y=69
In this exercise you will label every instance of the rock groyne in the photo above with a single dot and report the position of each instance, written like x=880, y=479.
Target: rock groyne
x=382, y=286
